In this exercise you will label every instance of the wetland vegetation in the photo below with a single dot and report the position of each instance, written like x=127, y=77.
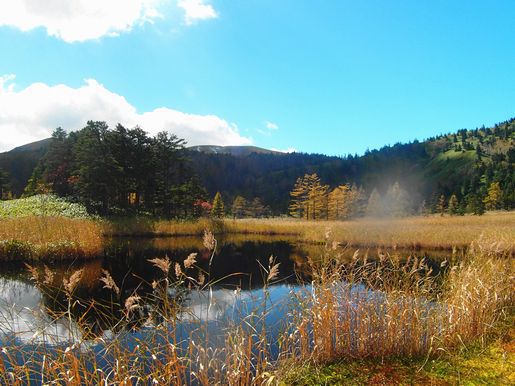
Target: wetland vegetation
x=117, y=268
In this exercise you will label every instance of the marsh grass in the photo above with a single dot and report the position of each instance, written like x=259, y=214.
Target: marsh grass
x=423, y=232
x=49, y=238
x=389, y=306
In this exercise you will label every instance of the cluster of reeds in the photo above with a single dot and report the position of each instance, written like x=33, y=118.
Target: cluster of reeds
x=45, y=238
x=394, y=307
x=366, y=307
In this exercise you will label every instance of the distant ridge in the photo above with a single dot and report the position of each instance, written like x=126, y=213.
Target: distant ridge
x=33, y=146
x=239, y=151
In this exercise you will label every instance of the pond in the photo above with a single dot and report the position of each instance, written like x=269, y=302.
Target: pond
x=221, y=289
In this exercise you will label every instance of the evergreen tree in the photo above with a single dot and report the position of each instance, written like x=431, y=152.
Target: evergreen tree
x=475, y=204
x=168, y=163
x=95, y=168
x=4, y=185
x=453, y=205
x=218, y=206
x=58, y=163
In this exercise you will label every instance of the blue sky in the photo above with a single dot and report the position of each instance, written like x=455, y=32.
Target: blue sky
x=332, y=77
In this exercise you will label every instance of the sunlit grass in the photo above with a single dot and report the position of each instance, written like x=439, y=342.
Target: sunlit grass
x=423, y=232
x=33, y=238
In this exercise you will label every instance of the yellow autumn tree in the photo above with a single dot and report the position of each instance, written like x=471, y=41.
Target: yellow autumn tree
x=309, y=198
x=299, y=197
x=493, y=199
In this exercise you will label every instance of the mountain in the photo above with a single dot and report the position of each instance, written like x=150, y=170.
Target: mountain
x=237, y=151
x=21, y=161
x=461, y=163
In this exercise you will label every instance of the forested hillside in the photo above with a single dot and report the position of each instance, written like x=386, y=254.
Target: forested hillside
x=465, y=168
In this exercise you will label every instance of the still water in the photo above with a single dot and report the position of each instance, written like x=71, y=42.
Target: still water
x=35, y=308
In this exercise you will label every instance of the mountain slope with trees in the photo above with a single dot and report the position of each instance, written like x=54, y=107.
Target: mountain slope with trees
x=466, y=171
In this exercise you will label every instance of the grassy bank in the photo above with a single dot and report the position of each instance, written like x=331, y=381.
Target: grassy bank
x=431, y=232
x=357, y=314
x=44, y=227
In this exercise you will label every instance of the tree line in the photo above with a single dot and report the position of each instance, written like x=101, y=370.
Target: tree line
x=119, y=171
x=310, y=199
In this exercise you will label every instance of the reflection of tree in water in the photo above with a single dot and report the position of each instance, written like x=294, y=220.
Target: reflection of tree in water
x=95, y=308
x=141, y=298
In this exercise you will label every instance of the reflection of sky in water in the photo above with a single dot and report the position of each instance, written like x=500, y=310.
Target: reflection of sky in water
x=23, y=319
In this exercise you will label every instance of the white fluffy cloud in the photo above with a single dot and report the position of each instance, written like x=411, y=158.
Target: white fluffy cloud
x=271, y=125
x=196, y=10
x=78, y=20
x=33, y=113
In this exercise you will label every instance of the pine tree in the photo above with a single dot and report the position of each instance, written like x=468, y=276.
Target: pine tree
x=58, y=163
x=4, y=185
x=475, y=204
x=493, y=199
x=453, y=205
x=239, y=207
x=218, y=206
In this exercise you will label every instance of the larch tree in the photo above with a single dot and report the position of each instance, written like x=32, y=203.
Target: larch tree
x=345, y=202
x=309, y=198
x=440, y=207
x=493, y=199
x=317, y=196
x=299, y=200
x=336, y=204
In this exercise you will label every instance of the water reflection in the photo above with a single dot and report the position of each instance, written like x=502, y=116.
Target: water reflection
x=41, y=310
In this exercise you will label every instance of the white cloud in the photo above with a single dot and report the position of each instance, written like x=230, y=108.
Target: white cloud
x=33, y=113
x=271, y=125
x=78, y=20
x=196, y=10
